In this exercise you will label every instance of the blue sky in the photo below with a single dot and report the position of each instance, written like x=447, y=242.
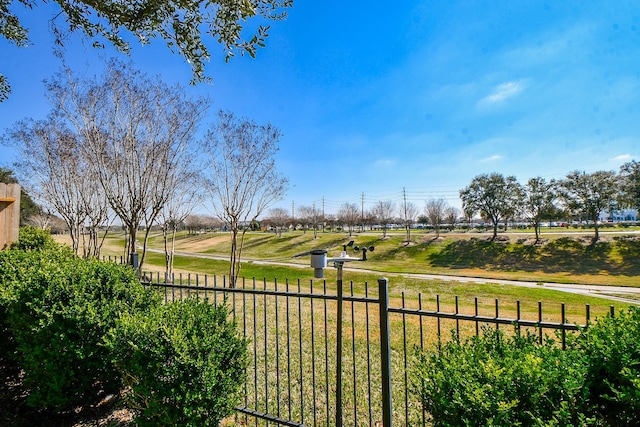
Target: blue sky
x=421, y=95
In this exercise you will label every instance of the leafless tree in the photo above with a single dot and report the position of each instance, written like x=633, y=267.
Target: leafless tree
x=61, y=179
x=99, y=216
x=369, y=218
x=311, y=215
x=349, y=215
x=41, y=220
x=434, y=210
x=279, y=219
x=241, y=171
x=194, y=223
x=183, y=200
x=330, y=221
x=136, y=133
x=57, y=225
x=212, y=223
x=451, y=216
x=384, y=211
x=408, y=213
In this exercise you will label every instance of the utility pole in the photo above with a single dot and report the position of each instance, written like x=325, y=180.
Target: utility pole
x=362, y=210
x=406, y=215
x=404, y=202
x=324, y=219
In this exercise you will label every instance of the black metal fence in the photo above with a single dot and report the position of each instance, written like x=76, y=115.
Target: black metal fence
x=330, y=356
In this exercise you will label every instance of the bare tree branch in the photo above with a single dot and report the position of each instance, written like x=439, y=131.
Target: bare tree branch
x=242, y=176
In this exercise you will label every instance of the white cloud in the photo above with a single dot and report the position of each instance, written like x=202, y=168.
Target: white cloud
x=622, y=158
x=502, y=92
x=493, y=158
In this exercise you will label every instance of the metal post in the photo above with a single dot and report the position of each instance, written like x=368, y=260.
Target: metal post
x=339, y=347
x=385, y=350
x=133, y=260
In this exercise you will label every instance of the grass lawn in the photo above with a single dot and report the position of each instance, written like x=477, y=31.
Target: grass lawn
x=561, y=258
x=292, y=341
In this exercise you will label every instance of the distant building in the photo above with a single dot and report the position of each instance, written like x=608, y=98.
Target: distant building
x=619, y=215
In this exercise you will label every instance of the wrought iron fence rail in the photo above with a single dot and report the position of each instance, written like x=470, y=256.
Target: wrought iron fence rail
x=294, y=329
x=271, y=418
x=487, y=319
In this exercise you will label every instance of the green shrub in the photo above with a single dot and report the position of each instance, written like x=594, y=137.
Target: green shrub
x=495, y=380
x=16, y=267
x=184, y=364
x=8, y=262
x=58, y=309
x=610, y=350
x=32, y=238
x=500, y=381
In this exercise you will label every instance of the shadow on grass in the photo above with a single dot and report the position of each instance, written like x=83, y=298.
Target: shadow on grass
x=258, y=241
x=561, y=255
x=299, y=244
x=628, y=249
x=408, y=251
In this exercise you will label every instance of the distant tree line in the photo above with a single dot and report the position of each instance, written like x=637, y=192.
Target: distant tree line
x=385, y=214
x=496, y=199
x=579, y=196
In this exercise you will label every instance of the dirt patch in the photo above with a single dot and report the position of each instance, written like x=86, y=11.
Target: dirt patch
x=200, y=245
x=430, y=239
x=531, y=241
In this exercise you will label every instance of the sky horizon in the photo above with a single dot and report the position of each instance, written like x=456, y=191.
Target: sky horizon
x=382, y=103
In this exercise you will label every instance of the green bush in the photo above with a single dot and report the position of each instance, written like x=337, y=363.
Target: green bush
x=495, y=380
x=58, y=309
x=610, y=351
x=16, y=266
x=501, y=381
x=184, y=363
x=32, y=238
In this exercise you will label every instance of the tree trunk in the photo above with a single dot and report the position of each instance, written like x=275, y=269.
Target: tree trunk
x=144, y=247
x=173, y=248
x=133, y=234
x=233, y=258
x=167, y=259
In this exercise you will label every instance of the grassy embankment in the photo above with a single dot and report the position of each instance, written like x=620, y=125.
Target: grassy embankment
x=562, y=259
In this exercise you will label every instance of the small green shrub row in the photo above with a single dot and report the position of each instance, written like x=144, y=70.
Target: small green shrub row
x=499, y=380
x=82, y=328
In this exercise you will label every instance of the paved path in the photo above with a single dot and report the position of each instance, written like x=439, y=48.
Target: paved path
x=625, y=294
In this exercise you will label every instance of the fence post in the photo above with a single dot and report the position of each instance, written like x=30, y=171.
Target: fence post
x=385, y=350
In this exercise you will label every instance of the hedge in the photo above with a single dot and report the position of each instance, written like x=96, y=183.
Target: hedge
x=498, y=380
x=81, y=329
